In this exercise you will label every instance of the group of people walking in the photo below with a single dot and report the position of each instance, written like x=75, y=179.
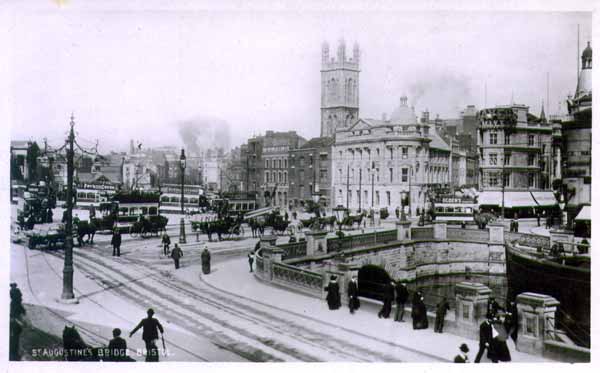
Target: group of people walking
x=498, y=326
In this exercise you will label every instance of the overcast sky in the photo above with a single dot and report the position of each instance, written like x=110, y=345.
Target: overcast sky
x=144, y=75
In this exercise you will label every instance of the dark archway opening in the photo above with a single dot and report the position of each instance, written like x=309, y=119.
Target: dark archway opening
x=371, y=281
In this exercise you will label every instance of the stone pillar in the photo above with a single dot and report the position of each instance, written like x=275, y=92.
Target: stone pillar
x=496, y=232
x=316, y=243
x=536, y=319
x=271, y=254
x=268, y=240
x=471, y=308
x=440, y=230
x=377, y=218
x=403, y=229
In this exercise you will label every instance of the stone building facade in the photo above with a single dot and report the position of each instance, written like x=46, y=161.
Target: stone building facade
x=310, y=172
x=388, y=163
x=273, y=172
x=339, y=89
x=577, y=140
x=515, y=150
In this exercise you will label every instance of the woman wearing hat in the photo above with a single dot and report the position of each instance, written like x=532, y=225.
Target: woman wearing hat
x=462, y=356
x=333, y=294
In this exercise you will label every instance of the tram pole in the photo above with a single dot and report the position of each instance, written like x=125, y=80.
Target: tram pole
x=67, y=292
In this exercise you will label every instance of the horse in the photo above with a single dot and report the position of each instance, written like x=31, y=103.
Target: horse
x=85, y=228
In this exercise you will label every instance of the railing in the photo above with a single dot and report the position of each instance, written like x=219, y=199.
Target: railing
x=530, y=240
x=298, y=277
x=293, y=250
x=361, y=240
x=468, y=234
x=422, y=233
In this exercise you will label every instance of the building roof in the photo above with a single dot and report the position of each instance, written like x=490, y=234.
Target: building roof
x=403, y=114
x=436, y=140
x=317, y=142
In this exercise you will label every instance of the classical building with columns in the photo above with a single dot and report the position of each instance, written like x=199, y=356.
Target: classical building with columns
x=389, y=163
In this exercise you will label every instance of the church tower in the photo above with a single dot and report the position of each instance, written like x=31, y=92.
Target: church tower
x=339, y=88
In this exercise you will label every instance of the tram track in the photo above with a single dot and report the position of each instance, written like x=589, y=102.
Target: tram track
x=243, y=309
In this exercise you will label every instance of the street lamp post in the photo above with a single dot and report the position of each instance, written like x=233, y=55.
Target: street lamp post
x=67, y=292
x=339, y=213
x=182, y=239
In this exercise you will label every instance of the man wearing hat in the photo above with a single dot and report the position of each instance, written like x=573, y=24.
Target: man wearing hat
x=462, y=356
x=116, y=242
x=150, y=327
x=353, y=301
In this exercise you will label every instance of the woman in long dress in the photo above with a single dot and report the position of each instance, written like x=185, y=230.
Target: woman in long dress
x=499, y=350
x=419, y=312
x=333, y=294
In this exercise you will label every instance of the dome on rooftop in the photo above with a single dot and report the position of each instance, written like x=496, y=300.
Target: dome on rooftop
x=403, y=114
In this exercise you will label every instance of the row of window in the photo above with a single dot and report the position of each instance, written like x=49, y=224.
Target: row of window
x=402, y=153
x=493, y=157
x=276, y=177
x=322, y=176
x=494, y=179
x=276, y=163
x=494, y=139
x=365, y=200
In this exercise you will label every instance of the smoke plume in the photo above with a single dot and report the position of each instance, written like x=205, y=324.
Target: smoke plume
x=443, y=92
x=202, y=133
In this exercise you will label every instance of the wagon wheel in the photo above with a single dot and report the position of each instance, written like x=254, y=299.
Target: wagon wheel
x=145, y=233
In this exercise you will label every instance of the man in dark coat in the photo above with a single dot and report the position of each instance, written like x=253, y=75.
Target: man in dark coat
x=176, y=254
x=205, y=257
x=117, y=347
x=512, y=320
x=492, y=308
x=14, y=350
x=251, y=260
x=440, y=315
x=401, y=298
x=116, y=242
x=333, y=294
x=16, y=301
x=462, y=357
x=150, y=326
x=166, y=242
x=388, y=298
x=353, y=301
x=485, y=339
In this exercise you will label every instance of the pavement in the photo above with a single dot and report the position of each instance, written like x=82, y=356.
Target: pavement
x=228, y=315
x=364, y=322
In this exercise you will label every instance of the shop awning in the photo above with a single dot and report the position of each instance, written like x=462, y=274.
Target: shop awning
x=490, y=198
x=518, y=199
x=544, y=199
x=259, y=212
x=585, y=213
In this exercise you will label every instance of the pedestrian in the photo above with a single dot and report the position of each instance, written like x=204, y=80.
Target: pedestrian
x=166, y=242
x=353, y=301
x=117, y=347
x=205, y=258
x=462, y=356
x=485, y=339
x=150, y=328
x=401, y=298
x=176, y=254
x=512, y=320
x=116, y=242
x=499, y=350
x=333, y=293
x=16, y=328
x=419, y=312
x=251, y=260
x=388, y=298
x=539, y=217
x=492, y=308
x=440, y=315
x=16, y=301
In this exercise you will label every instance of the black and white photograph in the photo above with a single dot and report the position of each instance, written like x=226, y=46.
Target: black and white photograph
x=296, y=182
